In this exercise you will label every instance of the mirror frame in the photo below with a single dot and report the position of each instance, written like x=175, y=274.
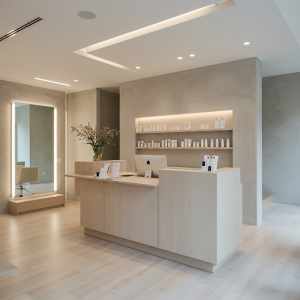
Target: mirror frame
x=13, y=150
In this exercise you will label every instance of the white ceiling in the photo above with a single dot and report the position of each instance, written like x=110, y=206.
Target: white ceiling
x=45, y=50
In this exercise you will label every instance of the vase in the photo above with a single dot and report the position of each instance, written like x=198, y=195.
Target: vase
x=98, y=152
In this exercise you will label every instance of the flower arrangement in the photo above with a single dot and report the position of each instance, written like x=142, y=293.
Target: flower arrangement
x=96, y=137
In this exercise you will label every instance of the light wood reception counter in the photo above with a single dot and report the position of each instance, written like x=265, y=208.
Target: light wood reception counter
x=186, y=215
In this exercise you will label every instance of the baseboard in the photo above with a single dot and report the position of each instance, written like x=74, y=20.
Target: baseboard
x=199, y=264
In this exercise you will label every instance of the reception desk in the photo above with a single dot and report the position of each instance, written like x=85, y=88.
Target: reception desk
x=186, y=215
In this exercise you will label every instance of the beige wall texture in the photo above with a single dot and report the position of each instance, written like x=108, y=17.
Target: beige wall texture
x=281, y=132
x=235, y=85
x=15, y=92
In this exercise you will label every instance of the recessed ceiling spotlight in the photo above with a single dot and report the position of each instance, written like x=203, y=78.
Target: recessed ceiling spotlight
x=137, y=67
x=87, y=15
x=192, y=55
x=76, y=80
x=179, y=57
x=247, y=43
x=52, y=81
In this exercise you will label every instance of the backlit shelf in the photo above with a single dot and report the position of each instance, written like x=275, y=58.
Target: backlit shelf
x=184, y=131
x=184, y=148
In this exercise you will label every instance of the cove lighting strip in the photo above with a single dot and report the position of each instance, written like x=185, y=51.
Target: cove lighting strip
x=152, y=28
x=13, y=151
x=55, y=149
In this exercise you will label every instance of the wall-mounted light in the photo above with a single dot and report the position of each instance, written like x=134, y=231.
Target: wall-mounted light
x=13, y=154
x=55, y=149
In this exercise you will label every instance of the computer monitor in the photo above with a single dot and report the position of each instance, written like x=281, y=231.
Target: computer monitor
x=150, y=162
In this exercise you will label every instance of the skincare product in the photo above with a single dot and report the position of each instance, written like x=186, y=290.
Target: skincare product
x=158, y=145
x=155, y=145
x=189, y=144
x=207, y=160
x=157, y=127
x=165, y=127
x=217, y=123
x=173, y=127
x=206, y=143
x=206, y=126
x=163, y=143
x=209, y=168
x=142, y=144
x=177, y=127
x=217, y=143
x=215, y=158
x=187, y=125
x=152, y=144
x=169, y=144
x=166, y=143
x=139, y=143
x=222, y=143
x=211, y=143
x=140, y=128
x=150, y=127
x=185, y=143
x=201, y=126
x=137, y=129
x=204, y=166
x=202, y=143
x=175, y=143
x=149, y=145
x=223, y=122
x=160, y=127
x=197, y=144
x=182, y=144
x=153, y=127
x=145, y=128
x=194, y=144
x=228, y=143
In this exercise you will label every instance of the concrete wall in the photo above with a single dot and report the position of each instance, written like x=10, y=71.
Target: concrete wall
x=82, y=109
x=235, y=85
x=109, y=112
x=15, y=92
x=281, y=132
x=41, y=141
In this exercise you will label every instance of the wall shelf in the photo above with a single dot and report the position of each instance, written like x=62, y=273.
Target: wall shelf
x=184, y=148
x=184, y=131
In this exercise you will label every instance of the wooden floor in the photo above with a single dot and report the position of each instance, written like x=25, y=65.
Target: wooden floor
x=57, y=261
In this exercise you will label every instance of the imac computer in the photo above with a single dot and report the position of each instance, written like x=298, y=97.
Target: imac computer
x=150, y=162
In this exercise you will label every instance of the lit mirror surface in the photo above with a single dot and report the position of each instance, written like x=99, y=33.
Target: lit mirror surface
x=34, y=149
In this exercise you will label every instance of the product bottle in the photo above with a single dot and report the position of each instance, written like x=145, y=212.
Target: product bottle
x=206, y=144
x=217, y=143
x=211, y=143
x=163, y=143
x=202, y=143
x=228, y=143
x=222, y=143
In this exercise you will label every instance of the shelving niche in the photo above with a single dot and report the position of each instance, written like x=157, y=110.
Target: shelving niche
x=187, y=156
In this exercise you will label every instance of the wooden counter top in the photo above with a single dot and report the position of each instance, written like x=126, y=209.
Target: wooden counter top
x=132, y=180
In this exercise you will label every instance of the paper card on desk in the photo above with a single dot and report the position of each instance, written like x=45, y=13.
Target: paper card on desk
x=115, y=170
x=103, y=173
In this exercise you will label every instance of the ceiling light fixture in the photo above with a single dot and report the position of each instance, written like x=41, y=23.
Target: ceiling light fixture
x=192, y=55
x=179, y=57
x=87, y=15
x=247, y=43
x=76, y=80
x=209, y=9
x=137, y=67
x=52, y=81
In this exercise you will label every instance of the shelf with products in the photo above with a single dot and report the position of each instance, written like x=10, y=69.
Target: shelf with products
x=184, y=148
x=185, y=131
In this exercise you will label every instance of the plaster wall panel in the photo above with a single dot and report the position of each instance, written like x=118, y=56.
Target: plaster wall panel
x=281, y=132
x=235, y=85
x=15, y=92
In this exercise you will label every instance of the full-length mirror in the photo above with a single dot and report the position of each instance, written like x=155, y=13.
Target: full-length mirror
x=34, y=147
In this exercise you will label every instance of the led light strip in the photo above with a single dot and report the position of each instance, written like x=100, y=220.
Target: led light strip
x=55, y=149
x=13, y=151
x=152, y=28
x=52, y=81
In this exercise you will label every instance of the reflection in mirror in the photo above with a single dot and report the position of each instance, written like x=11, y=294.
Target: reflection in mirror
x=34, y=149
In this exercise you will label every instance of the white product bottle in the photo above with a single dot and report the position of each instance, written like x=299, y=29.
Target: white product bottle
x=163, y=143
x=139, y=144
x=197, y=144
x=194, y=144
x=222, y=143
x=217, y=143
x=150, y=127
x=152, y=144
x=158, y=145
x=202, y=143
x=211, y=143
x=206, y=144
x=142, y=144
x=182, y=144
x=228, y=143
x=153, y=127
